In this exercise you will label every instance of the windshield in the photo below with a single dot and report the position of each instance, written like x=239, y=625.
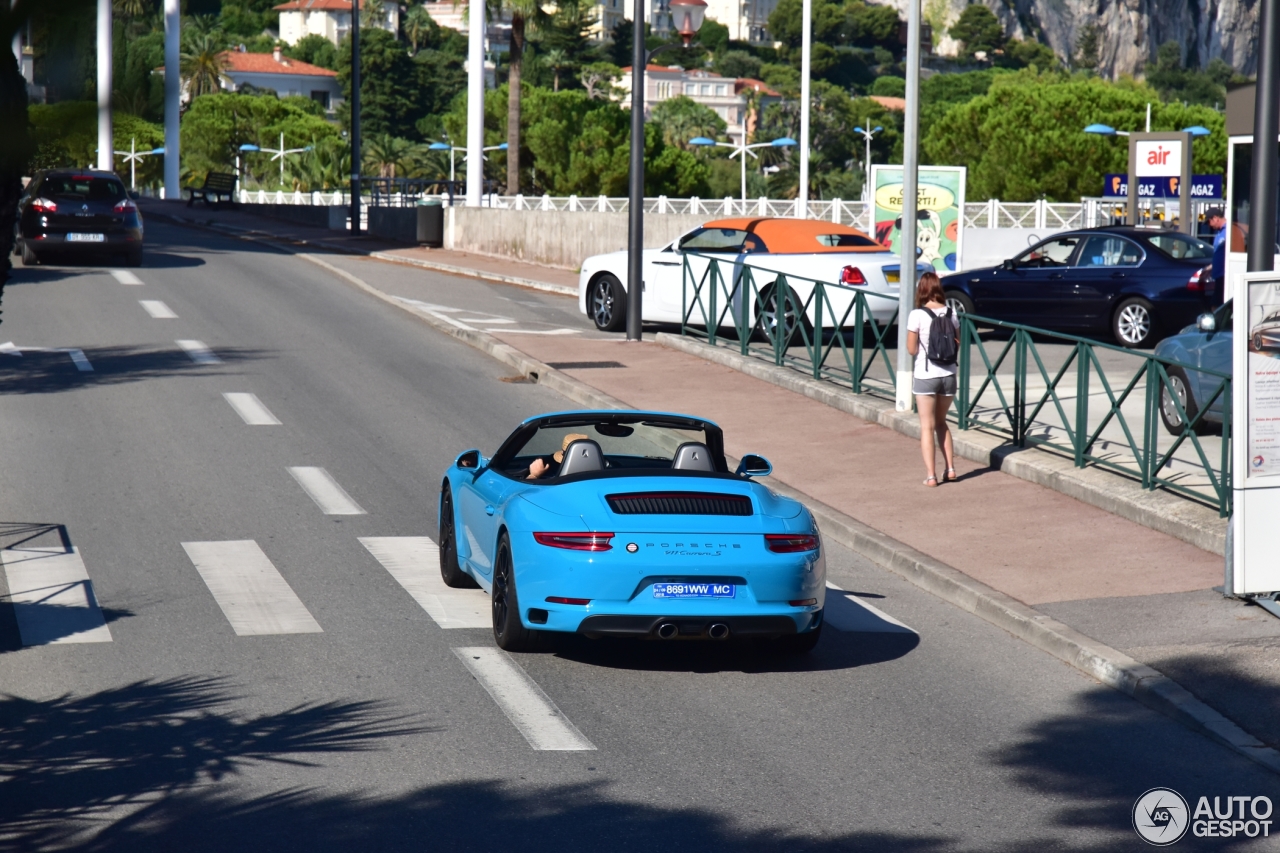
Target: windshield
x=1182, y=247
x=638, y=445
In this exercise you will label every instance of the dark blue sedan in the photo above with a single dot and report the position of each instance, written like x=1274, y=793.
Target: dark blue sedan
x=1135, y=283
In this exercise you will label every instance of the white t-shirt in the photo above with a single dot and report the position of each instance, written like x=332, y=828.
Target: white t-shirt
x=920, y=320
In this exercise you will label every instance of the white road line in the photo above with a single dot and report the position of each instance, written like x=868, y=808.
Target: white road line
x=847, y=612
x=522, y=700
x=492, y=321
x=52, y=597
x=250, y=409
x=253, y=596
x=157, y=309
x=199, y=353
x=326, y=492
x=125, y=277
x=414, y=561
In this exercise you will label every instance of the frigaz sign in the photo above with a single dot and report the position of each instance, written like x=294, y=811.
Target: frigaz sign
x=1157, y=158
x=1202, y=187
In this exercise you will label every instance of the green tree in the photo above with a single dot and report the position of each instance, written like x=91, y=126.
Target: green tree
x=525, y=14
x=391, y=101
x=1023, y=140
x=557, y=60
x=598, y=80
x=417, y=25
x=978, y=29
x=215, y=126
x=202, y=63
x=737, y=63
x=315, y=49
x=1024, y=54
x=890, y=87
x=1087, y=46
x=1170, y=76
x=681, y=119
x=390, y=156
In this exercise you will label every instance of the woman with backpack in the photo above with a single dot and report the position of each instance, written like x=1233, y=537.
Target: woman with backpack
x=933, y=337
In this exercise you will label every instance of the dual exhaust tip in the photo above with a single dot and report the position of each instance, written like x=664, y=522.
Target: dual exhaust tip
x=669, y=631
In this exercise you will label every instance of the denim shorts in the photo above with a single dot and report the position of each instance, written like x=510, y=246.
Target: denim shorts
x=944, y=386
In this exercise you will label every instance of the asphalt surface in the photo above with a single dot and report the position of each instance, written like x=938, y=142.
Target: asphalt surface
x=372, y=734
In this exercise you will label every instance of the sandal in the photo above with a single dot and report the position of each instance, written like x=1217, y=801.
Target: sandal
x=931, y=481
x=950, y=476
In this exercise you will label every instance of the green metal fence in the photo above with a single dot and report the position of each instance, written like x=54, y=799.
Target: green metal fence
x=1096, y=403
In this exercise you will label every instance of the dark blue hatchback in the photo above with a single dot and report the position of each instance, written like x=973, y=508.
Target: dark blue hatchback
x=1135, y=283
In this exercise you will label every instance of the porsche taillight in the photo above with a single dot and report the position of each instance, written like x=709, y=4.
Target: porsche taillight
x=790, y=543
x=852, y=275
x=576, y=541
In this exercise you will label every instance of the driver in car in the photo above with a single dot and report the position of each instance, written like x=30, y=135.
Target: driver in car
x=540, y=468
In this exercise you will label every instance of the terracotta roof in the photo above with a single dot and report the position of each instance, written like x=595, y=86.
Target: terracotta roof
x=895, y=104
x=796, y=236
x=752, y=83
x=317, y=5
x=265, y=63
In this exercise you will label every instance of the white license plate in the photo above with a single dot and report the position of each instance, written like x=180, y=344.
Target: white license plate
x=693, y=590
x=86, y=238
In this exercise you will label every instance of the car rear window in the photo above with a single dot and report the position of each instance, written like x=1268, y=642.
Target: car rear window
x=846, y=240
x=722, y=240
x=83, y=187
x=1103, y=250
x=1182, y=247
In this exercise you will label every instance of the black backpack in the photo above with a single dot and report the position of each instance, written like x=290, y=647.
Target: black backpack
x=942, y=349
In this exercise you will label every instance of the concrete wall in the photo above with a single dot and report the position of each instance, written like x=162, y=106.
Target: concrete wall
x=319, y=216
x=554, y=237
x=394, y=223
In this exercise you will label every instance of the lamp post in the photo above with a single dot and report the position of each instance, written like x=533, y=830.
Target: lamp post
x=444, y=146
x=742, y=150
x=243, y=149
x=686, y=17
x=867, y=134
x=276, y=154
x=132, y=156
x=355, y=117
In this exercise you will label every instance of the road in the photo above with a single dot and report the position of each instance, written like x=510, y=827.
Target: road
x=241, y=661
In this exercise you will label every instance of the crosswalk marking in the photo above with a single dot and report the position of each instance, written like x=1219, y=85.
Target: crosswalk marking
x=847, y=612
x=250, y=409
x=52, y=596
x=253, y=596
x=157, y=309
x=414, y=561
x=199, y=352
x=125, y=277
x=325, y=491
x=529, y=709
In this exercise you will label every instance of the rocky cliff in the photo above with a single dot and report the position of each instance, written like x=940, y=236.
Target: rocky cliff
x=1130, y=31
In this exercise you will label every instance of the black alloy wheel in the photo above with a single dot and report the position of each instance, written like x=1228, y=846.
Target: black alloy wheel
x=450, y=572
x=607, y=303
x=786, y=319
x=1173, y=421
x=508, y=631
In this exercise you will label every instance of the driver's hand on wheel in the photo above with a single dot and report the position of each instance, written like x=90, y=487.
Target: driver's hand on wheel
x=537, y=468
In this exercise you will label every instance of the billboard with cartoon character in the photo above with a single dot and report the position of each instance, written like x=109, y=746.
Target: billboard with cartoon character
x=939, y=213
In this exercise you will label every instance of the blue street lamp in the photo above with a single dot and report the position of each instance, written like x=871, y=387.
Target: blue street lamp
x=742, y=150
x=244, y=149
x=866, y=164
x=445, y=146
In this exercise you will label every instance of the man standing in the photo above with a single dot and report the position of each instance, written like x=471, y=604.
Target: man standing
x=1218, y=223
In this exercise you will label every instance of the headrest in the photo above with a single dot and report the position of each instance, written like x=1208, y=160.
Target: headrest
x=692, y=456
x=582, y=455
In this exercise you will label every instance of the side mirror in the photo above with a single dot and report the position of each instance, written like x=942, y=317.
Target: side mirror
x=1008, y=264
x=468, y=459
x=754, y=466
x=1206, y=323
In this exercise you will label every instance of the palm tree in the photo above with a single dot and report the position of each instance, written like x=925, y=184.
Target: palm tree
x=327, y=166
x=556, y=59
x=203, y=63
x=131, y=8
x=373, y=13
x=388, y=154
x=524, y=13
x=417, y=25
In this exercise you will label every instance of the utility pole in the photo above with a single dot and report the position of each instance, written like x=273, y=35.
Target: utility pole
x=355, y=118
x=910, y=175
x=172, y=99
x=106, y=144
x=806, y=39
x=475, y=106
x=1266, y=130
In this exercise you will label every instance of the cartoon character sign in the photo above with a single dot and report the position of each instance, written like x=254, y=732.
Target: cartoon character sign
x=940, y=205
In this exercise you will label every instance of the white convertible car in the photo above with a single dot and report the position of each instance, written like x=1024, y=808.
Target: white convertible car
x=805, y=250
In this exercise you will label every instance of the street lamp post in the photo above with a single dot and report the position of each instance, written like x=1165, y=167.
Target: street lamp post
x=132, y=156
x=686, y=16
x=741, y=150
x=868, y=133
x=276, y=154
x=355, y=117
x=445, y=146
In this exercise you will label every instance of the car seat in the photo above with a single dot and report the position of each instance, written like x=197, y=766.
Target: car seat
x=692, y=456
x=580, y=456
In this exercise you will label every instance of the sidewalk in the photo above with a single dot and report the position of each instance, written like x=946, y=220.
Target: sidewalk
x=1031, y=559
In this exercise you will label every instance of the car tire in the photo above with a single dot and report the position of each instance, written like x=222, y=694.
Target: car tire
x=1168, y=414
x=766, y=317
x=1134, y=323
x=450, y=571
x=959, y=303
x=798, y=644
x=607, y=303
x=29, y=256
x=508, y=631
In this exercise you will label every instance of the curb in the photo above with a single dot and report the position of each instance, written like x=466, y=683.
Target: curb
x=562, y=289
x=1183, y=519
x=1101, y=662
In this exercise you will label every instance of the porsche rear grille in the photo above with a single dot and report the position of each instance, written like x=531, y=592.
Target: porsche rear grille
x=679, y=503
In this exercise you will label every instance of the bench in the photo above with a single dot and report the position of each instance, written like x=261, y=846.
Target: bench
x=217, y=185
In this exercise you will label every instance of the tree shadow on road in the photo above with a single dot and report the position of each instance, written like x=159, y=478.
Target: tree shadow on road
x=50, y=372
x=66, y=763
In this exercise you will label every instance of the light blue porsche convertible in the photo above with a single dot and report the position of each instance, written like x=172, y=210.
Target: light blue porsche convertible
x=630, y=524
